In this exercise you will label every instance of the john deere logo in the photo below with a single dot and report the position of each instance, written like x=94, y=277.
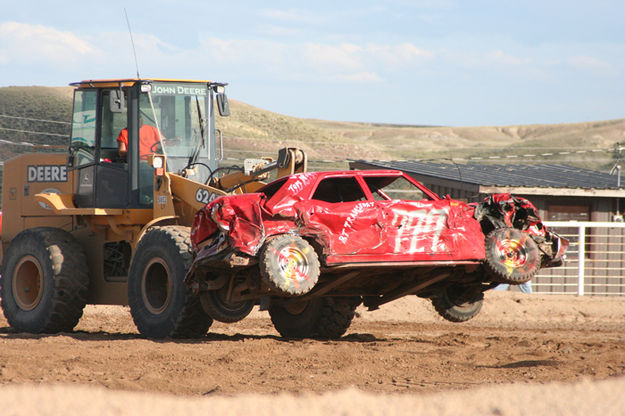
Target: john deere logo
x=47, y=173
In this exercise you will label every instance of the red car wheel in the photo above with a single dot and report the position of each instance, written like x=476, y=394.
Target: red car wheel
x=289, y=264
x=511, y=256
x=321, y=318
x=457, y=304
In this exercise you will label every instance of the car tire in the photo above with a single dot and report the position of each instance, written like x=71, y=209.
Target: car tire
x=216, y=305
x=452, y=305
x=323, y=318
x=512, y=256
x=289, y=264
x=161, y=304
x=45, y=281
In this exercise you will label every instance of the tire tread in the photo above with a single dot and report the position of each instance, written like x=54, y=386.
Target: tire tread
x=190, y=321
x=71, y=279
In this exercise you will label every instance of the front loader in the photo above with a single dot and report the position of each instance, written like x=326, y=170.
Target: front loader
x=103, y=226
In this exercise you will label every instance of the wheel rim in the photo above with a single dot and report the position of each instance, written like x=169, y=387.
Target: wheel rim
x=296, y=308
x=293, y=265
x=511, y=253
x=459, y=300
x=465, y=306
x=156, y=286
x=227, y=306
x=28, y=283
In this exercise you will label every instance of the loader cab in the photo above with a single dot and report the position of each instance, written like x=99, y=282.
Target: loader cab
x=168, y=117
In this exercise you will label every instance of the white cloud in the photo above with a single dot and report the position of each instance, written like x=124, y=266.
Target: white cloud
x=318, y=61
x=274, y=30
x=109, y=54
x=360, y=77
x=502, y=58
x=24, y=43
x=299, y=16
x=592, y=64
x=398, y=55
x=345, y=56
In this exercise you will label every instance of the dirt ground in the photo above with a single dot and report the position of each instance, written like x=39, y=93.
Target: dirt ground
x=401, y=353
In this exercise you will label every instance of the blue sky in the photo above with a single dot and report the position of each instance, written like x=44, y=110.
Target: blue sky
x=434, y=62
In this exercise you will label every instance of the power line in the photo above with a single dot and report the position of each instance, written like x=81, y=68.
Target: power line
x=35, y=119
x=34, y=132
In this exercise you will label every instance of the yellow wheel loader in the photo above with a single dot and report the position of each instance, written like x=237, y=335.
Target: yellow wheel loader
x=108, y=222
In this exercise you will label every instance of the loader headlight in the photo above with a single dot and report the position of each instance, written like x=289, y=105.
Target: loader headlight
x=157, y=163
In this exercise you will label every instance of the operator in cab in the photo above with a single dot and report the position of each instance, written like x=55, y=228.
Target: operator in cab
x=149, y=140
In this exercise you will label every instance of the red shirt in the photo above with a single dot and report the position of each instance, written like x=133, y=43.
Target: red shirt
x=148, y=135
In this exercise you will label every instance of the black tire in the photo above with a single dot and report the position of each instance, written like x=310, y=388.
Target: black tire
x=512, y=256
x=289, y=264
x=45, y=281
x=323, y=318
x=216, y=305
x=161, y=304
x=456, y=306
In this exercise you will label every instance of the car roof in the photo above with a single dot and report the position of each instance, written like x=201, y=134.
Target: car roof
x=333, y=174
x=283, y=191
x=349, y=173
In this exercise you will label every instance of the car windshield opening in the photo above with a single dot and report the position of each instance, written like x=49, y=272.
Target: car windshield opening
x=394, y=187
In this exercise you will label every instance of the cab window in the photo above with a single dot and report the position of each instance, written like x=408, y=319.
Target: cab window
x=113, y=119
x=84, y=126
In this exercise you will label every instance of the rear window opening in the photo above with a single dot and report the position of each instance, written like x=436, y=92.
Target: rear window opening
x=335, y=190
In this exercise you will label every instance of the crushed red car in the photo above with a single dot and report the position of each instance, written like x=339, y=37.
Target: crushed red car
x=311, y=247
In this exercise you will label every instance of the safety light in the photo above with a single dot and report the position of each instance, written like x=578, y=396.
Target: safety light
x=157, y=163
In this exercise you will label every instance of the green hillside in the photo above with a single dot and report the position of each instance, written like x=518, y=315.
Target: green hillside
x=254, y=132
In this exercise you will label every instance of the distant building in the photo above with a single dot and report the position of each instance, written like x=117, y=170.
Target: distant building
x=559, y=192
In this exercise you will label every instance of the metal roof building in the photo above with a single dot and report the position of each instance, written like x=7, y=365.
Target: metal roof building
x=560, y=192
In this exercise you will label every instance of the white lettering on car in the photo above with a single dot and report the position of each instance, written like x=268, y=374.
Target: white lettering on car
x=301, y=181
x=414, y=228
x=46, y=173
x=349, y=221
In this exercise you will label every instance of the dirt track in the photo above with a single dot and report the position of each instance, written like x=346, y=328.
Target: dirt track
x=404, y=347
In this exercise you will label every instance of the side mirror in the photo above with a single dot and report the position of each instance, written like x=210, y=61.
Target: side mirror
x=222, y=104
x=117, y=102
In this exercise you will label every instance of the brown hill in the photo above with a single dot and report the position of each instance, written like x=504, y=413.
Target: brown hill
x=251, y=132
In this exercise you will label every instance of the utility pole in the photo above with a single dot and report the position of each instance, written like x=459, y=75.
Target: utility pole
x=617, y=169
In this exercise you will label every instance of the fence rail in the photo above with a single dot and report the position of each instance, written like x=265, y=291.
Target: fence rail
x=595, y=261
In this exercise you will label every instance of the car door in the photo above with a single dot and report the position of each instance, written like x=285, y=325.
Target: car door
x=415, y=224
x=416, y=230
x=348, y=223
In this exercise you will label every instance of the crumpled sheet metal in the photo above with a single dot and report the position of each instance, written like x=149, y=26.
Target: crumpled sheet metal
x=364, y=231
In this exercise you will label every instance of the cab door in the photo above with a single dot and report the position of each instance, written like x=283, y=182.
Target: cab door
x=102, y=179
x=83, y=146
